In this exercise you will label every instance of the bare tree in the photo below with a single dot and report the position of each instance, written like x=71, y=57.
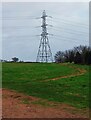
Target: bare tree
x=78, y=55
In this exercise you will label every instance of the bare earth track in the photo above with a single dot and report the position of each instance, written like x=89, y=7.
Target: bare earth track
x=13, y=107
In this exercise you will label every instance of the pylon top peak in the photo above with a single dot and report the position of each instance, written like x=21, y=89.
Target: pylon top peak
x=43, y=10
x=44, y=13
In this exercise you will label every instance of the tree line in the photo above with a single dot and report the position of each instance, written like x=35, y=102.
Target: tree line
x=77, y=55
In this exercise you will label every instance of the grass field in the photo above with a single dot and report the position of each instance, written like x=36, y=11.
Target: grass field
x=30, y=78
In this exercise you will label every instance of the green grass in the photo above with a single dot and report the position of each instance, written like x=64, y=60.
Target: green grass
x=29, y=78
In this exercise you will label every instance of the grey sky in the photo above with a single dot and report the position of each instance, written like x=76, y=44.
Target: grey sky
x=70, y=27
x=0, y=31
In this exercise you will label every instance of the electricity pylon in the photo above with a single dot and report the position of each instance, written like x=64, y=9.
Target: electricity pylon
x=44, y=52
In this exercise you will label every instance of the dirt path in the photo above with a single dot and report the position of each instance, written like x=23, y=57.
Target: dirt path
x=0, y=103
x=78, y=73
x=17, y=105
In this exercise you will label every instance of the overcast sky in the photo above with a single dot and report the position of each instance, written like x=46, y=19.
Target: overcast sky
x=21, y=26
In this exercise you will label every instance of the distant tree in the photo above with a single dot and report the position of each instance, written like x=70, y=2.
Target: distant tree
x=89, y=57
x=78, y=58
x=66, y=54
x=59, y=57
x=15, y=59
x=78, y=55
x=3, y=60
x=21, y=61
x=69, y=56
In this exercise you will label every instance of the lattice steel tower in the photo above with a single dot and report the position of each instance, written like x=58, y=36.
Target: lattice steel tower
x=44, y=52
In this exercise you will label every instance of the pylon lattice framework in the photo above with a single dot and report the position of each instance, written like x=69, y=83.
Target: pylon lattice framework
x=44, y=52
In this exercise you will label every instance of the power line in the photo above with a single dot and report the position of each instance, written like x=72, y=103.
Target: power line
x=32, y=17
x=19, y=36
x=70, y=32
x=67, y=40
x=60, y=36
x=18, y=27
x=68, y=18
x=68, y=23
x=18, y=18
x=71, y=39
x=71, y=21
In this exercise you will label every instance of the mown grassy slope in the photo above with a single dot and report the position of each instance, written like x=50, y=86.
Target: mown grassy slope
x=29, y=78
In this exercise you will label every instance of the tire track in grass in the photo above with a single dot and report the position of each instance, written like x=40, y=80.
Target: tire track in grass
x=78, y=73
